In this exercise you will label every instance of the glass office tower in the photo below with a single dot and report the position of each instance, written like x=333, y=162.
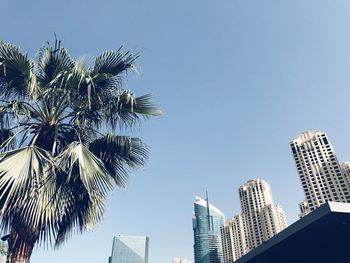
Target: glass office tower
x=129, y=249
x=207, y=221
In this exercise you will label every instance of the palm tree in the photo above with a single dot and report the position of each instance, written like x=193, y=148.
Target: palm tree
x=57, y=162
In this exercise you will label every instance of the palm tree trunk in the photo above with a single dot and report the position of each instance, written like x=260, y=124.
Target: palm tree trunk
x=19, y=250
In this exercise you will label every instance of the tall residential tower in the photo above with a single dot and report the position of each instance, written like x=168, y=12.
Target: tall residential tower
x=207, y=221
x=322, y=177
x=259, y=221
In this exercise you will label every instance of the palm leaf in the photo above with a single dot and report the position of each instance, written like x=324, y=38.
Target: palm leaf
x=114, y=63
x=53, y=63
x=61, y=208
x=6, y=141
x=82, y=186
x=80, y=163
x=106, y=74
x=125, y=109
x=21, y=170
x=24, y=194
x=77, y=210
x=15, y=72
x=118, y=154
x=15, y=112
x=144, y=105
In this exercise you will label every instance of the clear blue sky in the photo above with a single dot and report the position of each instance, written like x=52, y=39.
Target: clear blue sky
x=237, y=80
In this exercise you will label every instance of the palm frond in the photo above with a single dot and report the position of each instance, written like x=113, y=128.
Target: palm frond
x=118, y=154
x=78, y=211
x=6, y=141
x=60, y=209
x=71, y=133
x=16, y=112
x=52, y=209
x=78, y=78
x=80, y=163
x=125, y=109
x=20, y=170
x=53, y=63
x=15, y=72
x=144, y=105
x=114, y=62
x=106, y=77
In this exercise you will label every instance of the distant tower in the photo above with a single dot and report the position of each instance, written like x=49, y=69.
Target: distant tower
x=345, y=167
x=304, y=209
x=259, y=221
x=129, y=249
x=254, y=195
x=181, y=260
x=320, y=173
x=234, y=238
x=207, y=221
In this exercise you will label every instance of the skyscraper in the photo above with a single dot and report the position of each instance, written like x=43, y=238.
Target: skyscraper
x=345, y=167
x=129, y=249
x=322, y=236
x=234, y=238
x=321, y=175
x=207, y=221
x=259, y=221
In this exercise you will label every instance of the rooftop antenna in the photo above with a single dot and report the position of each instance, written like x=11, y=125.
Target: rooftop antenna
x=207, y=198
x=208, y=211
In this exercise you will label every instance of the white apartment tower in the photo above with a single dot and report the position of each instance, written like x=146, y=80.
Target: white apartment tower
x=322, y=177
x=234, y=238
x=254, y=195
x=345, y=167
x=181, y=260
x=259, y=221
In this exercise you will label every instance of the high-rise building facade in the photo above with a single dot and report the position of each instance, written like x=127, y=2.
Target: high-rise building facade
x=129, y=249
x=259, y=221
x=254, y=195
x=345, y=167
x=304, y=208
x=234, y=238
x=207, y=221
x=322, y=177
